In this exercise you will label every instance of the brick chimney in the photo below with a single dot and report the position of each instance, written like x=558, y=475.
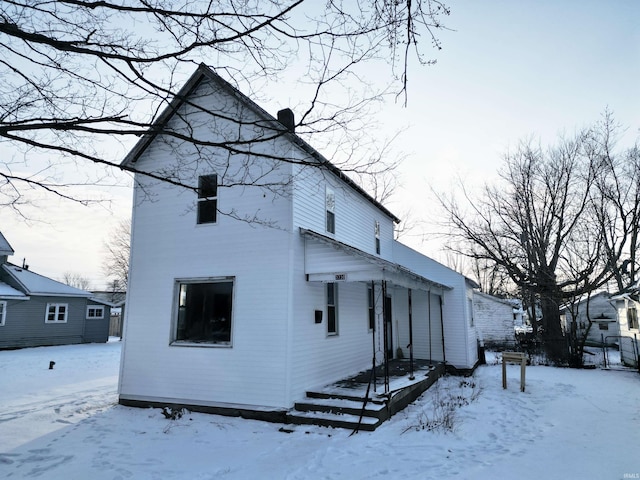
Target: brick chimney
x=286, y=118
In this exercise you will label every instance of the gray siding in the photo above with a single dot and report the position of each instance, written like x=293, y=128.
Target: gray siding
x=96, y=330
x=25, y=323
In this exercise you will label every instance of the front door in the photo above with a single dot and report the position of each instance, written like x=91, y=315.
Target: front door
x=388, y=325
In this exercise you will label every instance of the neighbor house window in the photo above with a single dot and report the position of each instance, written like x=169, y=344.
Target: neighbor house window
x=332, y=310
x=376, y=231
x=330, y=204
x=632, y=317
x=207, y=199
x=204, y=312
x=372, y=310
x=471, y=320
x=3, y=312
x=95, y=312
x=56, y=313
x=603, y=326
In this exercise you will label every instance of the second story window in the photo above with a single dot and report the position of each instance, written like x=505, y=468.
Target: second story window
x=207, y=199
x=330, y=205
x=376, y=231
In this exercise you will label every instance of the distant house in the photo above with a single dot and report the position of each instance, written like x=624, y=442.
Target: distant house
x=628, y=307
x=37, y=311
x=495, y=319
x=601, y=312
x=117, y=301
x=228, y=315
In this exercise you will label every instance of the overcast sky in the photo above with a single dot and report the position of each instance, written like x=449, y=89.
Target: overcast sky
x=509, y=71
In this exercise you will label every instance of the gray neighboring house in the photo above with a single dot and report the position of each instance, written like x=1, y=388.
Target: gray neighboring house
x=117, y=301
x=495, y=319
x=38, y=311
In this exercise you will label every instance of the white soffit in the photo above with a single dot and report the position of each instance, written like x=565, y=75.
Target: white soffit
x=328, y=260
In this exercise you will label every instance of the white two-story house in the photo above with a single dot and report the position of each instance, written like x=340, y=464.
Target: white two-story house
x=277, y=273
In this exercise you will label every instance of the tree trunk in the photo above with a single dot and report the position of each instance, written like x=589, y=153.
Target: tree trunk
x=555, y=344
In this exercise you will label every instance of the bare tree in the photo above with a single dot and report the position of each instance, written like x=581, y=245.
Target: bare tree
x=116, y=262
x=539, y=224
x=76, y=280
x=83, y=79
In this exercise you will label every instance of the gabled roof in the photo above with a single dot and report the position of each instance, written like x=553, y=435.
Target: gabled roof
x=5, y=248
x=204, y=72
x=7, y=292
x=113, y=299
x=506, y=301
x=32, y=283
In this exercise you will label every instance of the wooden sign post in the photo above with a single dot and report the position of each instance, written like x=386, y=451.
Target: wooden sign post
x=514, y=357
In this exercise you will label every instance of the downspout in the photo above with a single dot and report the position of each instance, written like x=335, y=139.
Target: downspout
x=411, y=376
x=429, y=319
x=444, y=355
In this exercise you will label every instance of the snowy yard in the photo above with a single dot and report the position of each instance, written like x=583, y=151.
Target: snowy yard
x=65, y=424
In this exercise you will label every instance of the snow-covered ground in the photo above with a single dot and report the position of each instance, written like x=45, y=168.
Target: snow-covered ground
x=65, y=424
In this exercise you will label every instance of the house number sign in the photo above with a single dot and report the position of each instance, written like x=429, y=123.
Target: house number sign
x=341, y=276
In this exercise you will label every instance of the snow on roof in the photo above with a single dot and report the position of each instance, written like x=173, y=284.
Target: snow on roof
x=7, y=292
x=35, y=284
x=5, y=248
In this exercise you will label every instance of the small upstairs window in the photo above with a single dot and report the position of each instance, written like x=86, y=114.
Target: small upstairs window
x=330, y=205
x=376, y=232
x=208, y=199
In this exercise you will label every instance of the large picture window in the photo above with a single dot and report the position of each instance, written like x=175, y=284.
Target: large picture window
x=332, y=310
x=56, y=313
x=208, y=199
x=204, y=312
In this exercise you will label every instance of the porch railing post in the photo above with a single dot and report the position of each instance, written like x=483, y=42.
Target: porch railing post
x=411, y=376
x=385, y=335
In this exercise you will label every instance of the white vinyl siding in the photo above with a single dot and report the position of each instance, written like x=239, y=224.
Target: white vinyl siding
x=167, y=245
x=355, y=217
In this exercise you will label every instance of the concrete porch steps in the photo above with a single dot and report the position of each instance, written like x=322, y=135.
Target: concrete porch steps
x=341, y=405
x=326, y=410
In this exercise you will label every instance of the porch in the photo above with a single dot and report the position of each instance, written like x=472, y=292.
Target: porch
x=360, y=402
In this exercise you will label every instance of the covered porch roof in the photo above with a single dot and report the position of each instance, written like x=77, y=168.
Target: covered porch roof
x=328, y=260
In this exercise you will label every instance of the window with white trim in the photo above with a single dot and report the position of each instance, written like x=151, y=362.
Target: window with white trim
x=3, y=312
x=204, y=312
x=207, y=199
x=376, y=232
x=332, y=309
x=632, y=318
x=330, y=206
x=56, y=313
x=95, y=312
x=371, y=309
